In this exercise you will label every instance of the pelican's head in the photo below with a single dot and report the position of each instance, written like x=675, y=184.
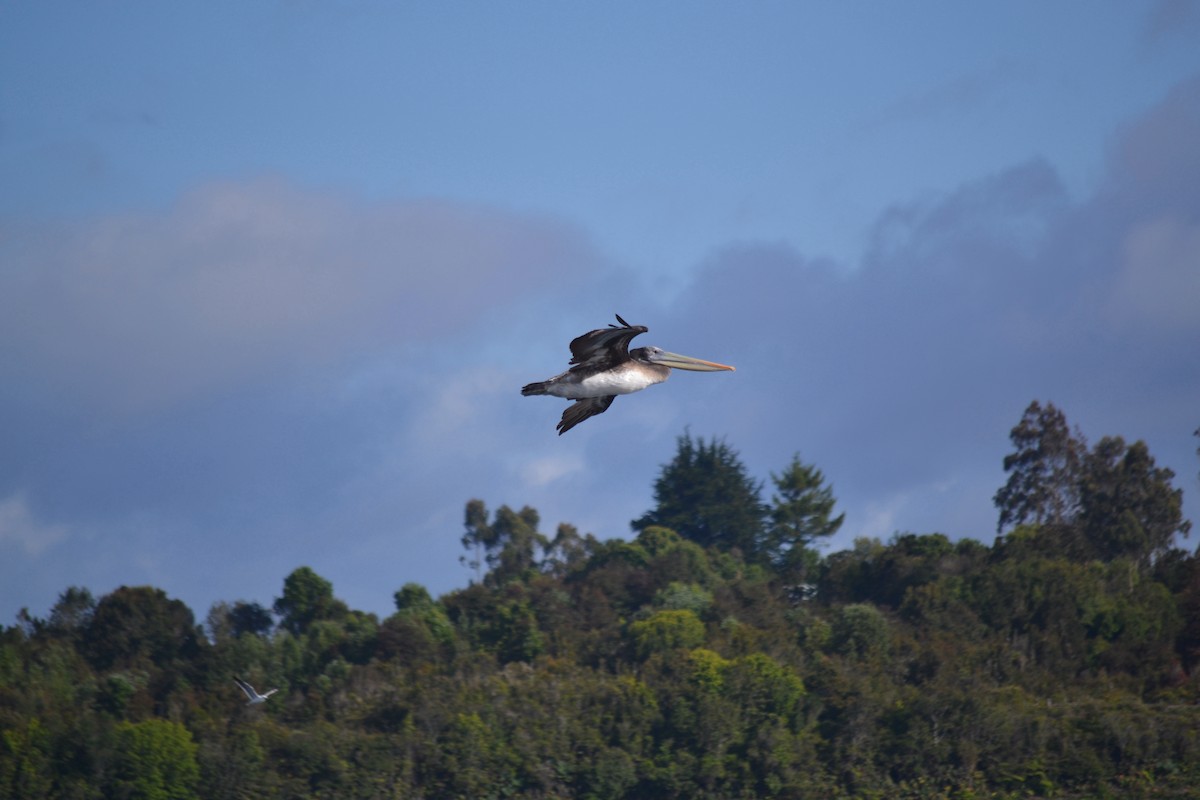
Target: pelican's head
x=656, y=355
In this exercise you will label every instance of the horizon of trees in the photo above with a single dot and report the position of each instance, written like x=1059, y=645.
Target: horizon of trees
x=1061, y=661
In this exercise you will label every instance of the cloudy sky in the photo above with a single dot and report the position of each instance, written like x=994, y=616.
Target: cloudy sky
x=273, y=273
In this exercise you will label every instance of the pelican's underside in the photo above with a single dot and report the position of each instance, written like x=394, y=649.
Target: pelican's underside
x=625, y=378
x=604, y=367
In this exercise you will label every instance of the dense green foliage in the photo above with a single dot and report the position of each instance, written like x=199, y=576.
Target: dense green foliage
x=706, y=495
x=684, y=663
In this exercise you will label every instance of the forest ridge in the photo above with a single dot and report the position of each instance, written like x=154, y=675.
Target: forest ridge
x=714, y=655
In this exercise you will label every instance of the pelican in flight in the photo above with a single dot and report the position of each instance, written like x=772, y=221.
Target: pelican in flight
x=253, y=697
x=603, y=367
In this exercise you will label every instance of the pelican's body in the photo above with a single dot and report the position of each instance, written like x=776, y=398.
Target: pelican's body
x=627, y=378
x=253, y=698
x=605, y=367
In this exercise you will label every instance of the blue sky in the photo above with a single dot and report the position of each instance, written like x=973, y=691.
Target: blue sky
x=272, y=274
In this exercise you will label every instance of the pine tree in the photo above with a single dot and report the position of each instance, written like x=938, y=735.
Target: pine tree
x=801, y=511
x=705, y=495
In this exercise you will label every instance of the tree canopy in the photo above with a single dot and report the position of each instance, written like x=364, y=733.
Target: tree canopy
x=706, y=495
x=1061, y=661
x=1109, y=502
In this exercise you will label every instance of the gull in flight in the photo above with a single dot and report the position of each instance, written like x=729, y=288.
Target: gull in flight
x=254, y=697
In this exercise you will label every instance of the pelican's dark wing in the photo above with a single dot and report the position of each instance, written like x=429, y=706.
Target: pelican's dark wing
x=604, y=348
x=580, y=410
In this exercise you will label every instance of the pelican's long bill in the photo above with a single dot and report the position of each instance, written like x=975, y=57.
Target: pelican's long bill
x=676, y=361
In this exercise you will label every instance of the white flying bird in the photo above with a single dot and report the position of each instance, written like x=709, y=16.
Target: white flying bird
x=254, y=697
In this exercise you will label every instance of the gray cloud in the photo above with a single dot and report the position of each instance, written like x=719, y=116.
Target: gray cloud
x=901, y=378
x=326, y=381
x=227, y=370
x=239, y=279
x=951, y=96
x=1170, y=19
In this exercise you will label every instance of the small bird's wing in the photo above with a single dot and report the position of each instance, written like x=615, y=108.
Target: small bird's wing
x=604, y=347
x=245, y=687
x=580, y=410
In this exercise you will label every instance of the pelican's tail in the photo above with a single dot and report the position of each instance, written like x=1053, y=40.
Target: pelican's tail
x=535, y=388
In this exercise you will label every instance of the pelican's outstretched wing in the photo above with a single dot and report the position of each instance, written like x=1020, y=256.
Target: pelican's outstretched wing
x=580, y=410
x=604, y=348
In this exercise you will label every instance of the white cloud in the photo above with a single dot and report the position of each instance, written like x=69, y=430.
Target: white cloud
x=545, y=470
x=19, y=526
x=879, y=518
x=458, y=407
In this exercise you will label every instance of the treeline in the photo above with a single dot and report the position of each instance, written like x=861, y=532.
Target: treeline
x=714, y=655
